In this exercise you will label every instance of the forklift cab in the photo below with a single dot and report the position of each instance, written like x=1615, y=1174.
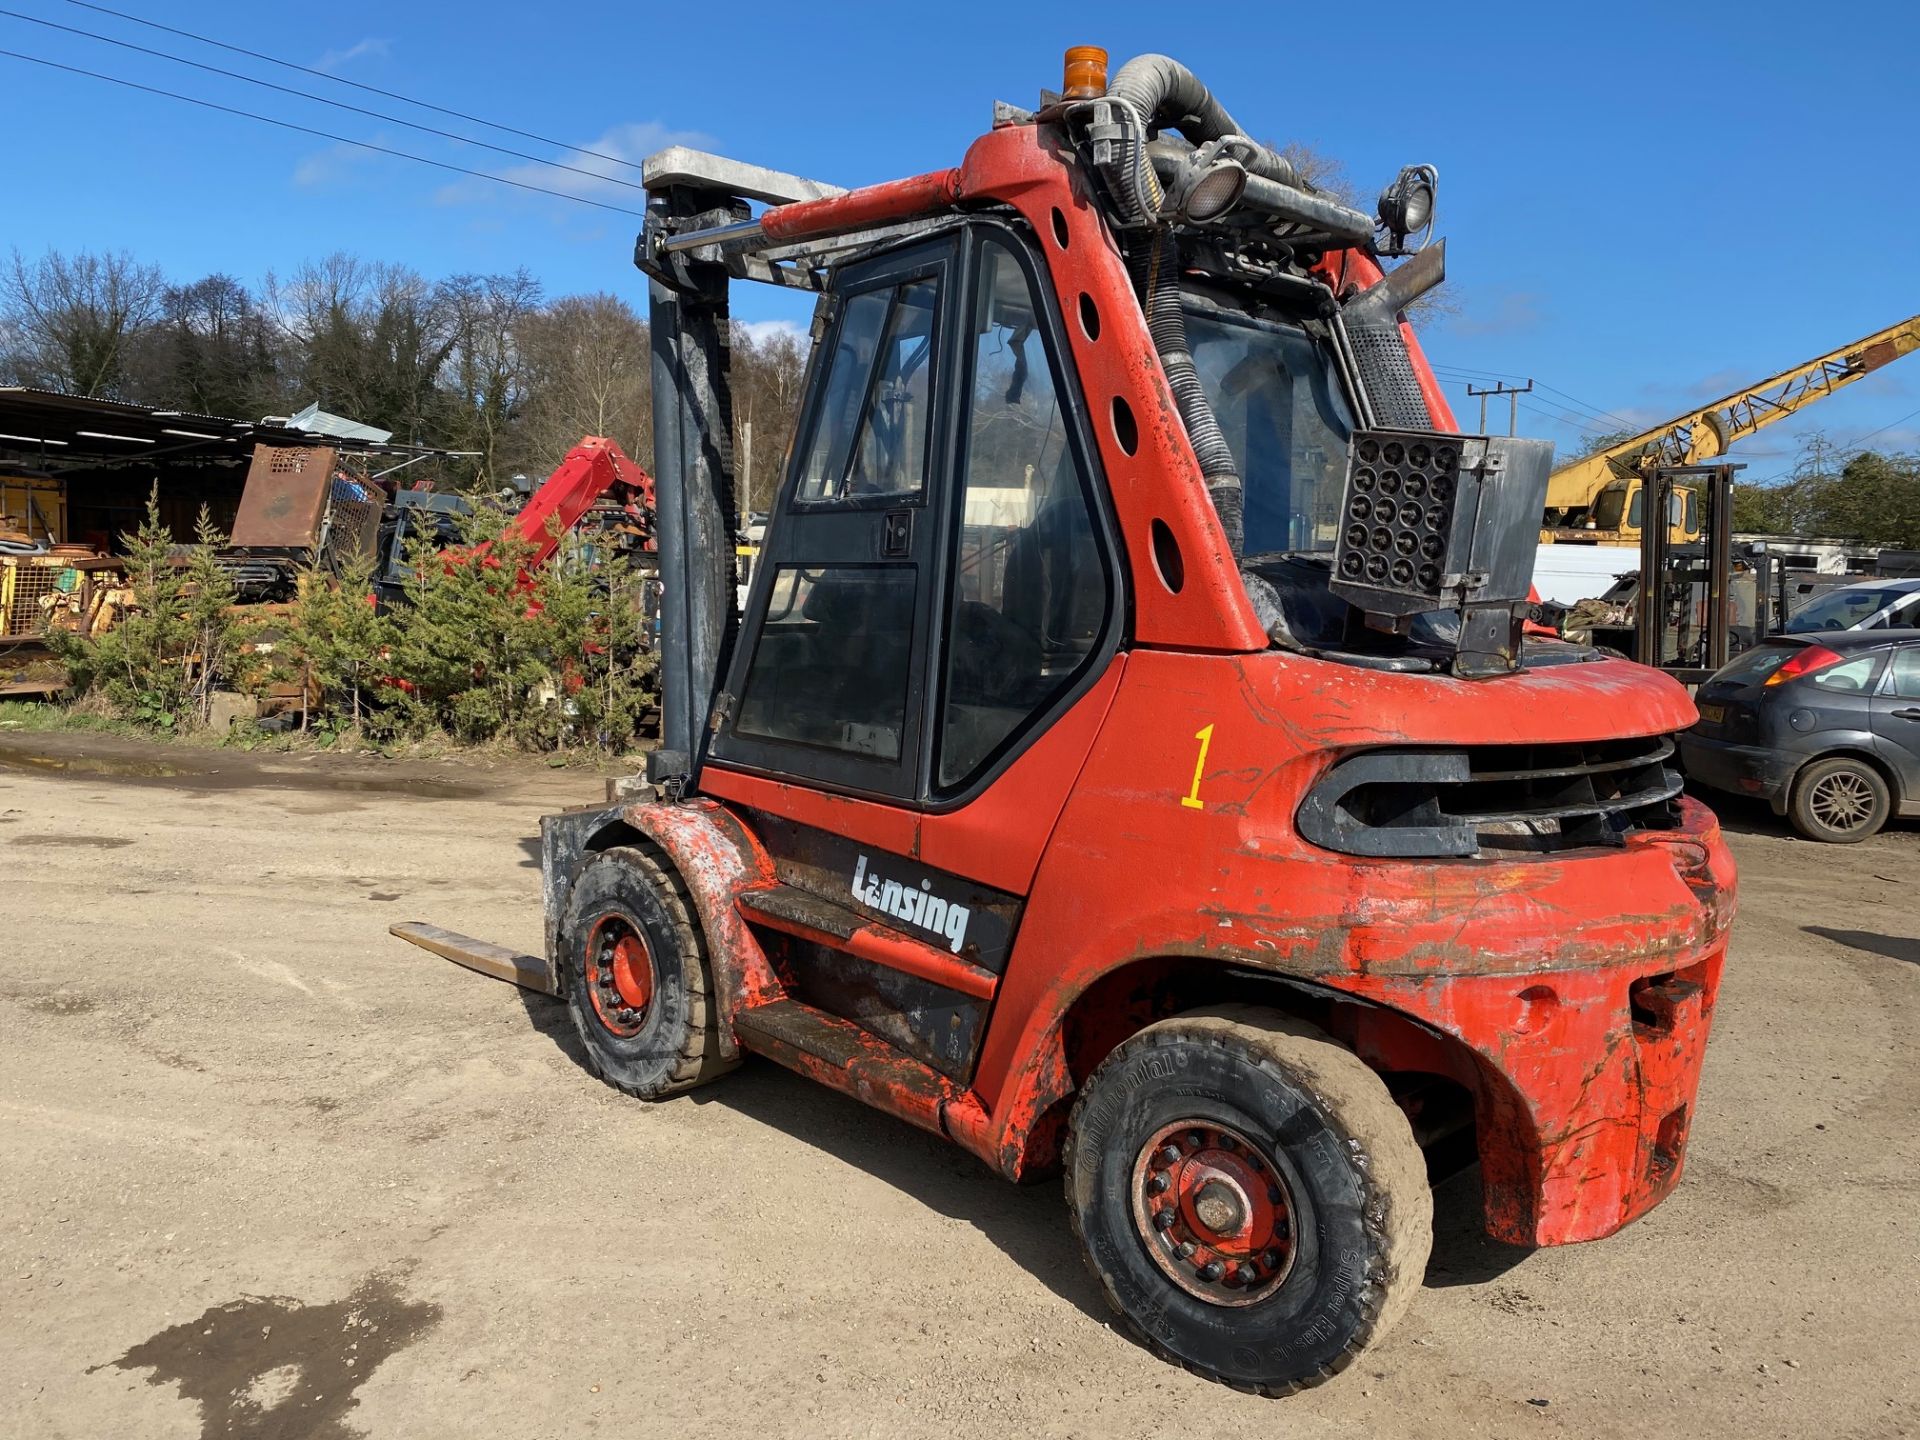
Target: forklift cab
x=939, y=575
x=1620, y=509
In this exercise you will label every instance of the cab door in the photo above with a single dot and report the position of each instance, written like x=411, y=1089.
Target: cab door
x=829, y=686
x=938, y=599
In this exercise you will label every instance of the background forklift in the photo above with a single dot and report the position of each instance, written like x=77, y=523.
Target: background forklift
x=1128, y=763
x=1716, y=597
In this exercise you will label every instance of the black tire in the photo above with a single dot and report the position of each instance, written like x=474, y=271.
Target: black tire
x=670, y=1043
x=1307, y=1110
x=1839, y=800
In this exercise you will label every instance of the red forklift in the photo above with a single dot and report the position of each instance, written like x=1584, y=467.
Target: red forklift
x=1129, y=763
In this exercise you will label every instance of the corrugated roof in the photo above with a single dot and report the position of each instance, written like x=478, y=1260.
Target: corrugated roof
x=49, y=426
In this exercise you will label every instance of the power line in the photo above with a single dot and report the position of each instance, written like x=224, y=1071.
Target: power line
x=304, y=95
x=1460, y=372
x=355, y=84
x=323, y=134
x=1465, y=371
x=1513, y=394
x=1590, y=408
x=1855, y=445
x=1561, y=417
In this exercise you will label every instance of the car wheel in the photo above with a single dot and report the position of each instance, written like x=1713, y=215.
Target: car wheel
x=1840, y=800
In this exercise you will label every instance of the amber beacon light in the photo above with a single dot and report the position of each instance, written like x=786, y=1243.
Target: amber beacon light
x=1086, y=77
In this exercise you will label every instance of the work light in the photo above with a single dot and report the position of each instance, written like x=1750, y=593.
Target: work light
x=1205, y=189
x=1406, y=206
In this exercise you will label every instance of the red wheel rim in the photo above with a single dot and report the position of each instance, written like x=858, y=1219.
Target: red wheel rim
x=619, y=975
x=1213, y=1212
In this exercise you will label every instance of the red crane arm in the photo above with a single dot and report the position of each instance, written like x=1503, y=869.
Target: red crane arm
x=594, y=468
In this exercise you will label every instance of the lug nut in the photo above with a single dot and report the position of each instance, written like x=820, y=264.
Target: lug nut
x=1167, y=1154
x=1157, y=1184
x=1163, y=1219
x=1211, y=1271
x=1187, y=1247
x=1271, y=1259
x=1273, y=1194
x=1195, y=1139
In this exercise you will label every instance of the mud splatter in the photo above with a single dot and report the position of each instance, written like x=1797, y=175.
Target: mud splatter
x=73, y=842
x=86, y=765
x=273, y=1368
x=63, y=1002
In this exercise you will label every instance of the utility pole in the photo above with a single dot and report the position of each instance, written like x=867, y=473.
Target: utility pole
x=1514, y=392
x=746, y=474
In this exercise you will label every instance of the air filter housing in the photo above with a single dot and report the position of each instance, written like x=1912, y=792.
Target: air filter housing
x=1435, y=521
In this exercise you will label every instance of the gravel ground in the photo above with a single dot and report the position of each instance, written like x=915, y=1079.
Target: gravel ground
x=265, y=1171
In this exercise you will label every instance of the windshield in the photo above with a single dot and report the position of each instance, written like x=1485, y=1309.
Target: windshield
x=1276, y=397
x=1839, y=610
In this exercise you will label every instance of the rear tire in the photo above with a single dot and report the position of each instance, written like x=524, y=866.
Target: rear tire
x=1839, y=800
x=1249, y=1196
x=636, y=977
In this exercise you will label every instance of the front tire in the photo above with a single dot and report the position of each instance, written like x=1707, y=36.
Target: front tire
x=1249, y=1196
x=1839, y=800
x=636, y=977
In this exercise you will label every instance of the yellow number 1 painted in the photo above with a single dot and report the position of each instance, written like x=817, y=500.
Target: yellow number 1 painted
x=1192, y=798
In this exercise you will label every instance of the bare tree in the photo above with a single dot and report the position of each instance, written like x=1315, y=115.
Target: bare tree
x=587, y=368
x=66, y=322
x=487, y=371
x=371, y=341
x=211, y=349
x=767, y=375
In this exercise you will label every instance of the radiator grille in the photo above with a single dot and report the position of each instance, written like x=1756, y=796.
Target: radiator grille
x=1493, y=798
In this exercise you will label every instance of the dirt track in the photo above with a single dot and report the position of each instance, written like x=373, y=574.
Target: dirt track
x=265, y=1171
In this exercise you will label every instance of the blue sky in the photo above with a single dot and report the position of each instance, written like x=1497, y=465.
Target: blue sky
x=1647, y=205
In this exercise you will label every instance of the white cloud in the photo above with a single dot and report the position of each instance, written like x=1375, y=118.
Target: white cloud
x=610, y=162
x=761, y=331
x=332, y=166
x=372, y=45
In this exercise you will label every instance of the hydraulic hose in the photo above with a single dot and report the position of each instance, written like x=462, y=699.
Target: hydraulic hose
x=1154, y=260
x=1155, y=91
x=1163, y=93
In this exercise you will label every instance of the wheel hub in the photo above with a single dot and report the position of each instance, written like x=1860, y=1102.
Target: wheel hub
x=619, y=975
x=1842, y=802
x=1214, y=1213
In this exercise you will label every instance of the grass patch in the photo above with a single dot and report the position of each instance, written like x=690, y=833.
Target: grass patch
x=18, y=716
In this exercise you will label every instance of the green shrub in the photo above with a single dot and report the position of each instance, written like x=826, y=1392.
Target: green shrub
x=337, y=647
x=180, y=641
x=479, y=649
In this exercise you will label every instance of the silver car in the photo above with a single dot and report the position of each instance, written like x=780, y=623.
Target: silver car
x=1870, y=605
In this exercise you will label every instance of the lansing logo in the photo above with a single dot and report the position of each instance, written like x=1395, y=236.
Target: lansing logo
x=916, y=907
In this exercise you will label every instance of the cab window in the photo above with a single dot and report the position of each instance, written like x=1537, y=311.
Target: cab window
x=830, y=669
x=1610, y=504
x=1031, y=588
x=871, y=434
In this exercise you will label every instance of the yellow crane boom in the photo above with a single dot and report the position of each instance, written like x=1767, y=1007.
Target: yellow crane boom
x=1707, y=431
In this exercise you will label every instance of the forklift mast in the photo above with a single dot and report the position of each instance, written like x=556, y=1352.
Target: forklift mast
x=693, y=477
